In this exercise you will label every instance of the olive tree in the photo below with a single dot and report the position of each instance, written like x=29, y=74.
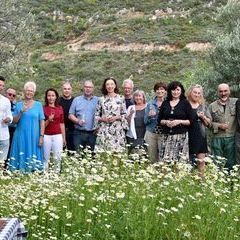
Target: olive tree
x=17, y=32
x=223, y=61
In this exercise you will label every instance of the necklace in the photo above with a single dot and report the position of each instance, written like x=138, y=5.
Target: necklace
x=28, y=103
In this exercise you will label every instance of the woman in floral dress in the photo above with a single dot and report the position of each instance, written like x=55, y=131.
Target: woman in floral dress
x=110, y=120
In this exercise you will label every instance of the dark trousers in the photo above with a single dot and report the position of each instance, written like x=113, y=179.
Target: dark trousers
x=83, y=139
x=70, y=139
x=237, y=142
x=225, y=147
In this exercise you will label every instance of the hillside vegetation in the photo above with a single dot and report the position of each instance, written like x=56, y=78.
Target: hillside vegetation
x=148, y=40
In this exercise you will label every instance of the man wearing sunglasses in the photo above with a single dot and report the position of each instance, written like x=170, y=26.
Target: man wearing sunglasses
x=11, y=95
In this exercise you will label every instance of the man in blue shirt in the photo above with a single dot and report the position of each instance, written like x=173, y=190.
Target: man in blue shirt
x=81, y=113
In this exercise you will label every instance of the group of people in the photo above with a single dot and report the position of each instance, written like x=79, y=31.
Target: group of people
x=171, y=126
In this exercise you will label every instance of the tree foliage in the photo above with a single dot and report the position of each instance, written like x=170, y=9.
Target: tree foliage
x=17, y=32
x=223, y=62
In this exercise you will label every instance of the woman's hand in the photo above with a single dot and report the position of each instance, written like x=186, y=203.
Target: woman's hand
x=40, y=142
x=173, y=123
x=64, y=142
x=113, y=119
x=6, y=120
x=50, y=117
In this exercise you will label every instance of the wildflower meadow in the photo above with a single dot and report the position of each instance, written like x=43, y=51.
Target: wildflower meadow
x=113, y=197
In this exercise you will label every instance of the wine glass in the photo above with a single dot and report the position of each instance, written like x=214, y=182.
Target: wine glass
x=152, y=111
x=52, y=114
x=83, y=118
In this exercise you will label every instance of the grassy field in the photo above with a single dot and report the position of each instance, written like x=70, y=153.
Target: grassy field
x=113, y=197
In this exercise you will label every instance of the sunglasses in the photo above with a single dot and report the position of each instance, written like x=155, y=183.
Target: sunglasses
x=11, y=95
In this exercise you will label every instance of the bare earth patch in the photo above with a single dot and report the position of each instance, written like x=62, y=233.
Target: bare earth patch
x=50, y=56
x=198, y=47
x=113, y=46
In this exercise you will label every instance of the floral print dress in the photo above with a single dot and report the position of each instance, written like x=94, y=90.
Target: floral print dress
x=111, y=136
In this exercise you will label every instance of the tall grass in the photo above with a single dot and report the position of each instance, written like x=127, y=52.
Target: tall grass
x=114, y=197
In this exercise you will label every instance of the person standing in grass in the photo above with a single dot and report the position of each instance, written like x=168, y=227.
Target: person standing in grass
x=175, y=117
x=54, y=135
x=110, y=118
x=81, y=113
x=11, y=94
x=197, y=132
x=135, y=118
x=237, y=137
x=150, y=119
x=26, y=152
x=128, y=86
x=224, y=122
x=5, y=120
x=65, y=101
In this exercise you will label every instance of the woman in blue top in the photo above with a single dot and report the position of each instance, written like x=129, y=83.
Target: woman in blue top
x=26, y=152
x=150, y=119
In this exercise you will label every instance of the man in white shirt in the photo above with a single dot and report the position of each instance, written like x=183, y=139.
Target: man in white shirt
x=5, y=119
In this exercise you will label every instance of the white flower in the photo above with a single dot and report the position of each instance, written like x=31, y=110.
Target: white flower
x=68, y=215
x=174, y=209
x=187, y=234
x=107, y=225
x=34, y=217
x=222, y=210
x=197, y=217
x=120, y=195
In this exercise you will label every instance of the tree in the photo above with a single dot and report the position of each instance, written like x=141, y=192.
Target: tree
x=17, y=32
x=223, y=61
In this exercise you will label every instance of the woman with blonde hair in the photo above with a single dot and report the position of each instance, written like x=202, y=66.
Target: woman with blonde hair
x=197, y=132
x=135, y=118
x=26, y=152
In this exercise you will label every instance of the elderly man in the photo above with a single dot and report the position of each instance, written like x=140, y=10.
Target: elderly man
x=223, y=112
x=81, y=113
x=128, y=91
x=5, y=119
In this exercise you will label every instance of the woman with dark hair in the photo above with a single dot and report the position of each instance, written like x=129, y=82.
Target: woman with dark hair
x=150, y=119
x=175, y=117
x=54, y=135
x=110, y=120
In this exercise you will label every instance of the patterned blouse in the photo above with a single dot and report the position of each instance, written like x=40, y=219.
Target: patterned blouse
x=111, y=136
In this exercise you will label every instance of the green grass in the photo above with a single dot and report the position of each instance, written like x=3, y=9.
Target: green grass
x=111, y=198
x=146, y=68
x=154, y=66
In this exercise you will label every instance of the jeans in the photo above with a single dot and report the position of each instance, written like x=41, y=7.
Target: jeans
x=83, y=139
x=4, y=145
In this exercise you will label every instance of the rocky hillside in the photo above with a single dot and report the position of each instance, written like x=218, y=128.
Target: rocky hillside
x=148, y=40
